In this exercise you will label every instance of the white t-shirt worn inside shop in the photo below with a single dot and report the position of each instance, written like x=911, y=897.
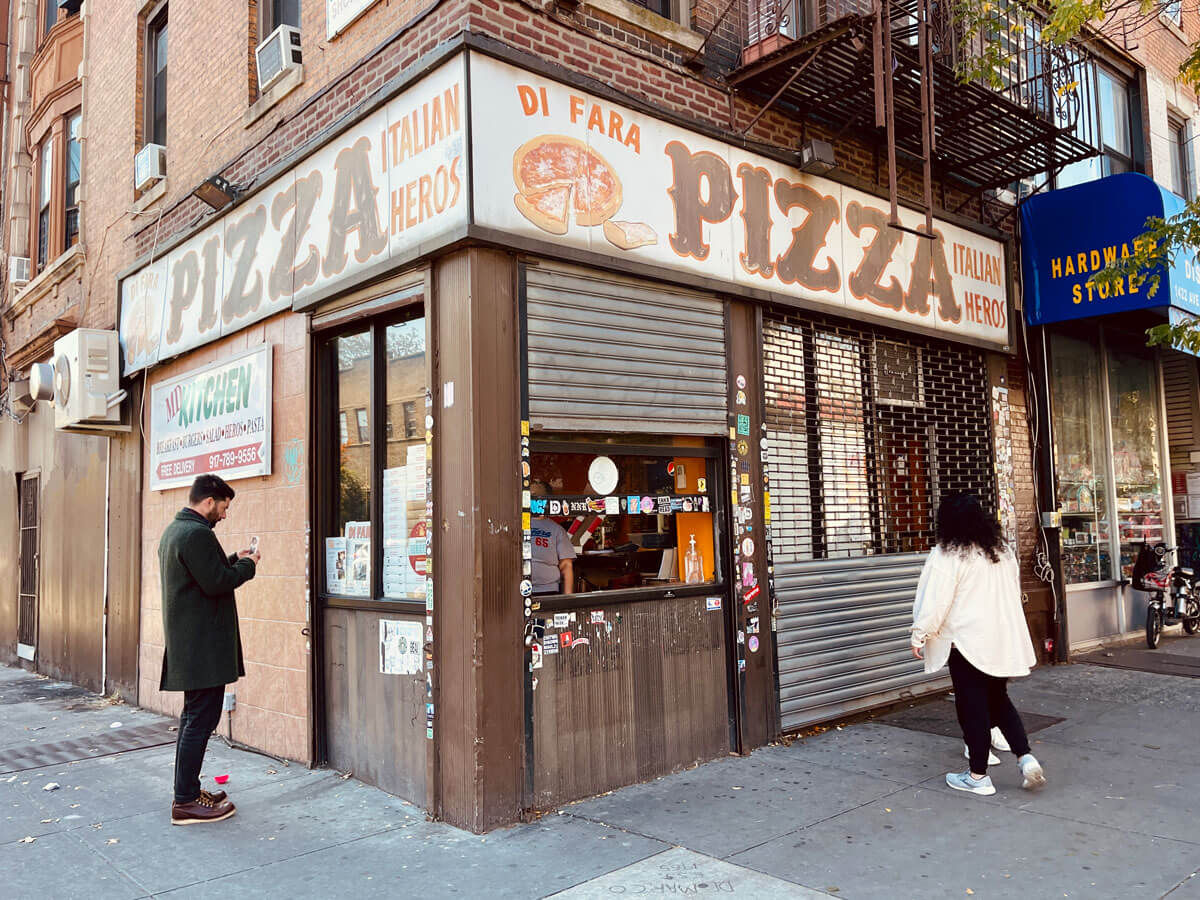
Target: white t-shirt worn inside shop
x=551, y=543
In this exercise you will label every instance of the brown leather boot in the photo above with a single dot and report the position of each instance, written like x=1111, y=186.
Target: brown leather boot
x=200, y=810
x=216, y=796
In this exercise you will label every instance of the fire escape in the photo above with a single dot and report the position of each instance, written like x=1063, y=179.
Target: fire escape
x=886, y=71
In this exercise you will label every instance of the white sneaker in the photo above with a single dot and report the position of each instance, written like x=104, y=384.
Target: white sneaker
x=1032, y=776
x=998, y=741
x=993, y=759
x=962, y=781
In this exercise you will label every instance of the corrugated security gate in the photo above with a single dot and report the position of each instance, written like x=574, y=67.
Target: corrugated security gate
x=607, y=353
x=867, y=430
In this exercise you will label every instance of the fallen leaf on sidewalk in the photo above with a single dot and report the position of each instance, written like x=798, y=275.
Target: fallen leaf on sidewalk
x=49, y=821
x=27, y=840
x=969, y=891
x=50, y=786
x=887, y=809
x=113, y=841
x=74, y=806
x=272, y=772
x=736, y=787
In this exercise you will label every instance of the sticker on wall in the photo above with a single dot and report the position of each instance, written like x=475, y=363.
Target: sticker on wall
x=753, y=643
x=527, y=549
x=597, y=617
x=612, y=506
x=556, y=507
x=447, y=396
x=752, y=625
x=647, y=505
x=743, y=448
x=603, y=475
x=751, y=594
x=525, y=428
x=743, y=424
x=741, y=398
x=537, y=506
x=526, y=567
x=712, y=604
x=748, y=579
x=581, y=642
x=701, y=485
x=525, y=498
x=564, y=639
x=741, y=637
x=526, y=588
x=741, y=665
x=562, y=620
x=740, y=381
x=747, y=547
x=745, y=479
x=526, y=521
x=550, y=644
x=732, y=433
x=535, y=661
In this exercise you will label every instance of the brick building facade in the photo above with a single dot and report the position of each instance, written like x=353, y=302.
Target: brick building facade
x=488, y=725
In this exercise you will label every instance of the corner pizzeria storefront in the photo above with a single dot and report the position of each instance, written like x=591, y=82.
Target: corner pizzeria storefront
x=507, y=317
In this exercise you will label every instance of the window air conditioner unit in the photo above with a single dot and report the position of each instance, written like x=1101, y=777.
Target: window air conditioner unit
x=149, y=166
x=277, y=55
x=70, y=7
x=83, y=380
x=18, y=270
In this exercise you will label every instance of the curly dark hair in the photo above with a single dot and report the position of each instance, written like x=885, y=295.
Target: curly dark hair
x=963, y=523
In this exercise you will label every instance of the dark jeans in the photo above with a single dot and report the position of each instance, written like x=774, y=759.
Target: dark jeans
x=201, y=713
x=981, y=701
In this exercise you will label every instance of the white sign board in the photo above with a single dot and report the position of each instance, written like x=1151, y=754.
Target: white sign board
x=399, y=647
x=215, y=420
x=378, y=191
x=340, y=13
x=554, y=163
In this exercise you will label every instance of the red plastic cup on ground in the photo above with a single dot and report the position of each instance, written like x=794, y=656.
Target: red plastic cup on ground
x=220, y=779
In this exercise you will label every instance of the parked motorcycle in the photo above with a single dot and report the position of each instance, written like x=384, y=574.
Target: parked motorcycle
x=1153, y=573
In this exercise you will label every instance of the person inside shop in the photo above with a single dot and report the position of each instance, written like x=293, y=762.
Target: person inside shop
x=553, y=570
x=968, y=613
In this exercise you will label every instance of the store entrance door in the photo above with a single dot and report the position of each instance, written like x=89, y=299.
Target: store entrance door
x=27, y=610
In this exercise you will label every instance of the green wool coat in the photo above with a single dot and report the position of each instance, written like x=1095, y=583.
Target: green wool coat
x=203, y=647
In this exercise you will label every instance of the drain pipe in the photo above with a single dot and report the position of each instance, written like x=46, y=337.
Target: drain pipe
x=107, y=526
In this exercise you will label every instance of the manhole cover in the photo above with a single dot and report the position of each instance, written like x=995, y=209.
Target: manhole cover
x=938, y=717
x=1158, y=662
x=118, y=740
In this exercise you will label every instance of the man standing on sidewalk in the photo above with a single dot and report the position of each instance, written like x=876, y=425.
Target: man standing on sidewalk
x=200, y=627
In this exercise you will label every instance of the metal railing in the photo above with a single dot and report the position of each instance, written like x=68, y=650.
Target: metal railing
x=1005, y=53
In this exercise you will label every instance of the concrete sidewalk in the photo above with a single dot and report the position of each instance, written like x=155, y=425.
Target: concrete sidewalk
x=857, y=812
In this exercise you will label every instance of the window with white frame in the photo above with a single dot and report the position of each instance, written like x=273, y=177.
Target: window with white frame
x=1181, y=168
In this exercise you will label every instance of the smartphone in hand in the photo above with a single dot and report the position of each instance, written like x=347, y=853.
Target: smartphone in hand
x=253, y=544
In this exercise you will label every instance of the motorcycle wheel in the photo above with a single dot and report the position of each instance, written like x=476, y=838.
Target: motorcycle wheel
x=1154, y=625
x=1191, y=619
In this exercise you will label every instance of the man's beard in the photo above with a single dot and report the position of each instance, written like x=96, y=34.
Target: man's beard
x=213, y=518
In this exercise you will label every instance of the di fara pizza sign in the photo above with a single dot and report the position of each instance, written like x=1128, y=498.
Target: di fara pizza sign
x=564, y=166
x=215, y=420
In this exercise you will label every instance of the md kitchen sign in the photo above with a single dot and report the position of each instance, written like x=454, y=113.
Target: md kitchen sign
x=215, y=420
x=554, y=164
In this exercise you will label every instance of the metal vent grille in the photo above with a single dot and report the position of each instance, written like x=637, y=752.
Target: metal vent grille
x=866, y=431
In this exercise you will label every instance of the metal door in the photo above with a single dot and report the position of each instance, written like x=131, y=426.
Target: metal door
x=27, y=608
x=865, y=430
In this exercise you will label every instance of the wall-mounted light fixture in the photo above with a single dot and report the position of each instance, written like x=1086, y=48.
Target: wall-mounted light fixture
x=217, y=191
x=817, y=157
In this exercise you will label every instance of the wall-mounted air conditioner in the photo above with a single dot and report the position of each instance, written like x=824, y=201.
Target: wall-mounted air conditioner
x=149, y=166
x=277, y=55
x=83, y=381
x=18, y=270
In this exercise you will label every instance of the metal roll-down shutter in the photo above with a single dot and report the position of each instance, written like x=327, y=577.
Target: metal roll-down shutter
x=866, y=430
x=608, y=353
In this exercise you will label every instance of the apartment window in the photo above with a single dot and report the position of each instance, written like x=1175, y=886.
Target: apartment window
x=364, y=432
x=156, y=78
x=45, y=191
x=71, y=194
x=1109, y=120
x=1174, y=12
x=345, y=429
x=279, y=12
x=51, y=14
x=660, y=7
x=1181, y=169
x=388, y=423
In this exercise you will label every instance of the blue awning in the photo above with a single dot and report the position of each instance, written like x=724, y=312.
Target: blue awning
x=1069, y=234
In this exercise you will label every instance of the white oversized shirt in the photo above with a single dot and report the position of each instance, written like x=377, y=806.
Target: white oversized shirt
x=966, y=600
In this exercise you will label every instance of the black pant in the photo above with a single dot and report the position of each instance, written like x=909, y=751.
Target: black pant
x=201, y=713
x=981, y=701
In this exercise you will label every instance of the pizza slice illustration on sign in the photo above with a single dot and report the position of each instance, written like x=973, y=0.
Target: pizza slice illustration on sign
x=556, y=175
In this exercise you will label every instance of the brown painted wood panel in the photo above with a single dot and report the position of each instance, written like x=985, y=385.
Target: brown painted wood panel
x=758, y=697
x=478, y=612
x=124, y=563
x=643, y=697
x=376, y=721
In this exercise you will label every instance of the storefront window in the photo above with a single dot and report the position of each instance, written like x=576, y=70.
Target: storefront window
x=404, y=485
x=375, y=370
x=616, y=518
x=1080, y=453
x=1136, y=469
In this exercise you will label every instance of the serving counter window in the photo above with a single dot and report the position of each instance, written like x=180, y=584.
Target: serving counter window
x=611, y=517
x=378, y=381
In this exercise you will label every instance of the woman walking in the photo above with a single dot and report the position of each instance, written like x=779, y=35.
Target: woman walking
x=968, y=614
